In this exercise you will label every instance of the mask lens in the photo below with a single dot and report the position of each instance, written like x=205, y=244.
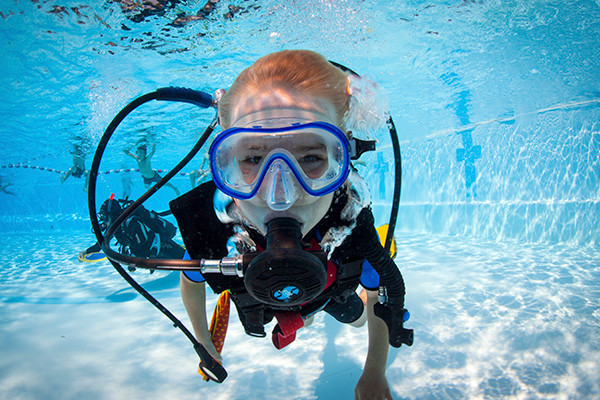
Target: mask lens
x=317, y=154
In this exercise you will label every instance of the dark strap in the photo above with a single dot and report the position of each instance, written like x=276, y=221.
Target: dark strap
x=205, y=237
x=202, y=232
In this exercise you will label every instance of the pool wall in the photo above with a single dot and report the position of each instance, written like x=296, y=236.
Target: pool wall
x=533, y=178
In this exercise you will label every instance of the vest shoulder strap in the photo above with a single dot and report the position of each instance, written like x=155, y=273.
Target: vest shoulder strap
x=205, y=237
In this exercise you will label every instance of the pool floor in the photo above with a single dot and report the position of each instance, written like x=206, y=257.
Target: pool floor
x=492, y=320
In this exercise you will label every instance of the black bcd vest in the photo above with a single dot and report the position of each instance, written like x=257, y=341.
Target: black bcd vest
x=205, y=237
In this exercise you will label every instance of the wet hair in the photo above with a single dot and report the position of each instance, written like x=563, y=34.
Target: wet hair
x=367, y=109
x=303, y=71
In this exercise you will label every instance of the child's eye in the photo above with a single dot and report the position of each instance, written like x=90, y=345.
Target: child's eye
x=313, y=165
x=255, y=160
x=312, y=158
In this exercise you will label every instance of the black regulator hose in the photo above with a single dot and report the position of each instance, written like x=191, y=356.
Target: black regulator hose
x=208, y=365
x=392, y=311
x=397, y=184
x=379, y=258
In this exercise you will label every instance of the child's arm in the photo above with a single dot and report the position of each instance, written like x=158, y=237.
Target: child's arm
x=152, y=151
x=193, y=295
x=130, y=154
x=373, y=384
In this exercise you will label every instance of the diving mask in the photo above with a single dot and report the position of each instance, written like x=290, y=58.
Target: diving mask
x=313, y=155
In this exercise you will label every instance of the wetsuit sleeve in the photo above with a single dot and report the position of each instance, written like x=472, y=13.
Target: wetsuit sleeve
x=194, y=276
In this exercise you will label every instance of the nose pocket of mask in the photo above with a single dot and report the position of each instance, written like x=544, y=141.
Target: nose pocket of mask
x=280, y=189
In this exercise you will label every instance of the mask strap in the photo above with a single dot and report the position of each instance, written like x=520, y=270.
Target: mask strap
x=359, y=146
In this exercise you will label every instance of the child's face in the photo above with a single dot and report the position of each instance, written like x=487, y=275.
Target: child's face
x=307, y=209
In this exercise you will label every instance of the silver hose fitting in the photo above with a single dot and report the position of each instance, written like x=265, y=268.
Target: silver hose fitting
x=232, y=266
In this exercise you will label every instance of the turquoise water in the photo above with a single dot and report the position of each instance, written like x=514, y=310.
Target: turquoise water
x=497, y=106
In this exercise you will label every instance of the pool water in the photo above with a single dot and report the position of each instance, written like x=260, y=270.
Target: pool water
x=497, y=106
x=493, y=320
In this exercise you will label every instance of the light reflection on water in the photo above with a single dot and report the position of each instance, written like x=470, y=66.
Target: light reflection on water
x=492, y=320
x=504, y=320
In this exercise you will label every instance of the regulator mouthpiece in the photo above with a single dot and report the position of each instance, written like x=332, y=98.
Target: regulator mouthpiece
x=285, y=274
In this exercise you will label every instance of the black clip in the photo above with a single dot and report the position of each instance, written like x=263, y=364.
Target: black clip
x=358, y=147
x=209, y=366
x=394, y=316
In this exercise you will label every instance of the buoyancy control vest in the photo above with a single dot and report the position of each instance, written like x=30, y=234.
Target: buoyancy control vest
x=205, y=236
x=147, y=234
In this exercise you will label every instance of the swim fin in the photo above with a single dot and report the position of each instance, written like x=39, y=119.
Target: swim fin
x=219, y=324
x=382, y=233
x=91, y=257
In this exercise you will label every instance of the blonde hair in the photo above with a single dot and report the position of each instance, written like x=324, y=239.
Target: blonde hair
x=303, y=71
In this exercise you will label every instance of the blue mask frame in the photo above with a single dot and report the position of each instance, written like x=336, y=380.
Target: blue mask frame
x=292, y=164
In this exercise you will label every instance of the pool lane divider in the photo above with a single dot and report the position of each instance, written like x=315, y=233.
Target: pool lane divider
x=58, y=171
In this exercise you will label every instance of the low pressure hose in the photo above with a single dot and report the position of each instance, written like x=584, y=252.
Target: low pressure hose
x=376, y=255
x=208, y=365
x=392, y=311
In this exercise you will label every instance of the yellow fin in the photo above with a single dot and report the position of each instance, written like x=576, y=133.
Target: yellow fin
x=382, y=233
x=91, y=257
x=218, y=324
